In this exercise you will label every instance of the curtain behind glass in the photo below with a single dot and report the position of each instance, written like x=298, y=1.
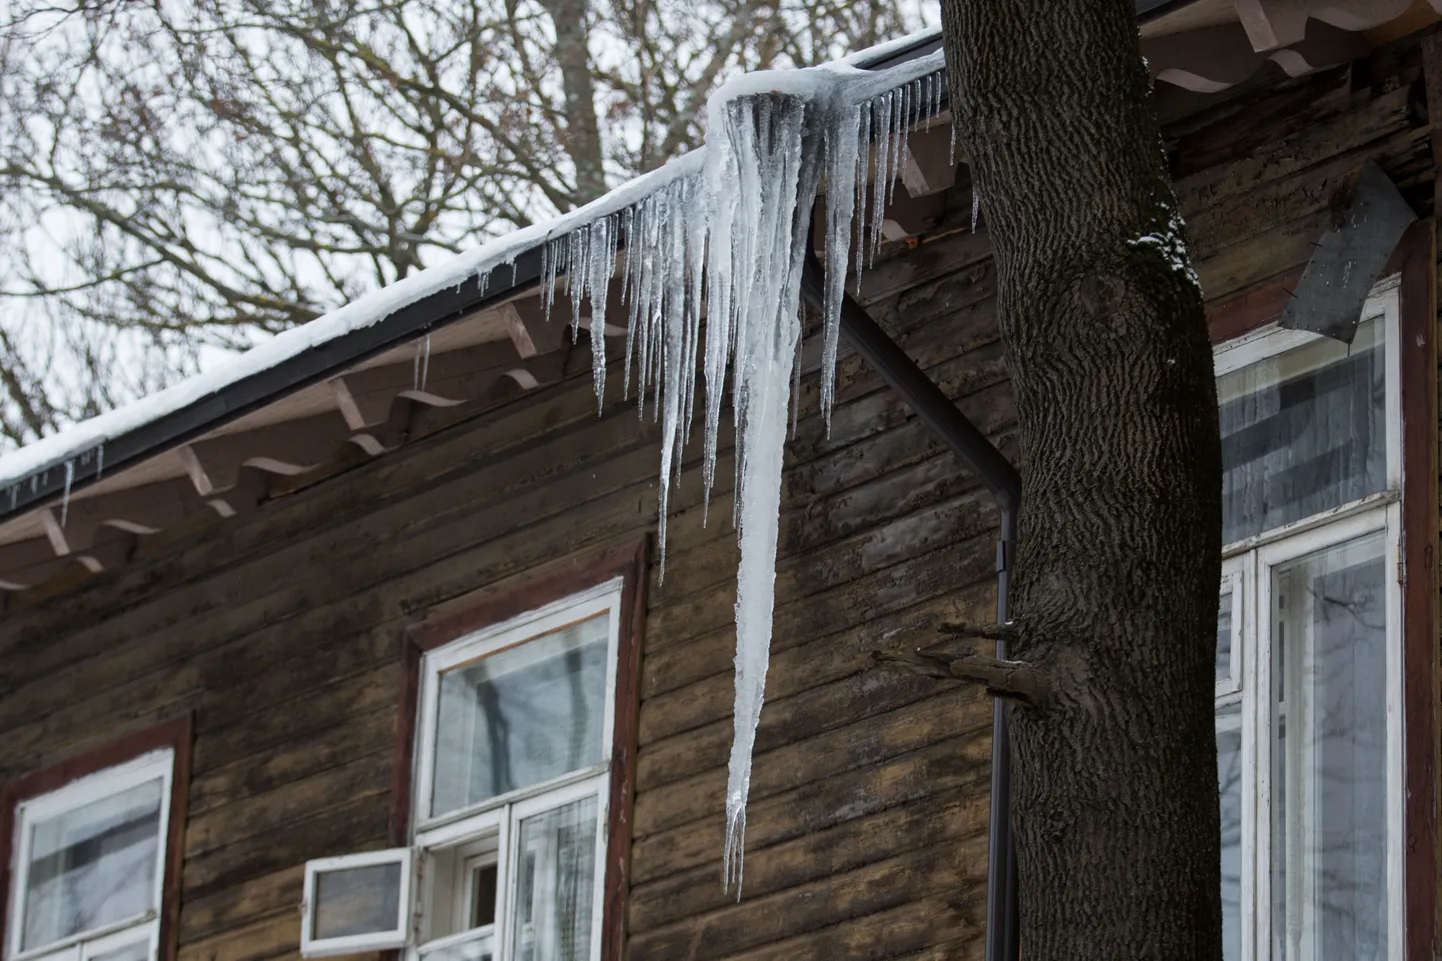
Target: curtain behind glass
x=1329, y=781
x=1303, y=432
x=92, y=866
x=555, y=887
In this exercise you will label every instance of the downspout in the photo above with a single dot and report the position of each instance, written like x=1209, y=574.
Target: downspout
x=967, y=441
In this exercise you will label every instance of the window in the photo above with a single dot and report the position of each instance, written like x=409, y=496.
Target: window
x=510, y=801
x=1309, y=647
x=88, y=864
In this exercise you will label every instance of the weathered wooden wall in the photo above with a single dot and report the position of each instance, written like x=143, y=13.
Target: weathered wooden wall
x=867, y=828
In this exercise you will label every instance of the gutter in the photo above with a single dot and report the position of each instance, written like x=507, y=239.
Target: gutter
x=967, y=442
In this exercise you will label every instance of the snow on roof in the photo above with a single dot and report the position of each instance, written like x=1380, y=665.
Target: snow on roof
x=90, y=436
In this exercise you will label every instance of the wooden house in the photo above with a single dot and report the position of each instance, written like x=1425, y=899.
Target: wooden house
x=364, y=646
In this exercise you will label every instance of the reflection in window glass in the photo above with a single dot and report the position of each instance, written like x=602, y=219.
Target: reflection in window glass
x=1329, y=781
x=93, y=865
x=1229, y=789
x=1224, y=638
x=134, y=951
x=1303, y=432
x=521, y=717
x=360, y=900
x=554, y=890
x=480, y=948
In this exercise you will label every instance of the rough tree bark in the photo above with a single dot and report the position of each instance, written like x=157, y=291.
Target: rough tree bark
x=1115, y=796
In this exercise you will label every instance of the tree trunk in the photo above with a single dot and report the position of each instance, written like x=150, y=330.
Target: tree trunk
x=583, y=135
x=1115, y=794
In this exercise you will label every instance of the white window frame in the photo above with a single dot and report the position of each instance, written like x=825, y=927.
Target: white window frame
x=152, y=765
x=313, y=947
x=504, y=813
x=1247, y=571
x=603, y=599
x=499, y=816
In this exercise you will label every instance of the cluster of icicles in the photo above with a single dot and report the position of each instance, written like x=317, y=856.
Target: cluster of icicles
x=726, y=243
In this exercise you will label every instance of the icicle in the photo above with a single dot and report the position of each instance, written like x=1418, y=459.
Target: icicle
x=426, y=362
x=600, y=266
x=416, y=367
x=549, y=270
x=863, y=171
x=975, y=207
x=899, y=126
x=729, y=242
x=841, y=175
x=99, y=461
x=14, y=495
x=65, y=499
x=881, y=151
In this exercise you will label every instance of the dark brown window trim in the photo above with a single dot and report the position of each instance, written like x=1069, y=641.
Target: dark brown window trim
x=174, y=734
x=1415, y=260
x=456, y=618
x=1246, y=312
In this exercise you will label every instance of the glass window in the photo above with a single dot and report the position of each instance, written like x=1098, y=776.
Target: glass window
x=1329, y=776
x=356, y=903
x=521, y=716
x=90, y=862
x=1308, y=654
x=1303, y=431
x=358, y=900
x=555, y=884
x=514, y=745
x=92, y=866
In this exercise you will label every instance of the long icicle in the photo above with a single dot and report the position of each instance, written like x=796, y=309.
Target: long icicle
x=728, y=242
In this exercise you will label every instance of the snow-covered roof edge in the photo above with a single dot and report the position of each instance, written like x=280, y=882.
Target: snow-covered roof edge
x=52, y=465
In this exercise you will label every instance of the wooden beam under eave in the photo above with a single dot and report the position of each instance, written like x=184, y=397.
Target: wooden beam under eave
x=25, y=564
x=930, y=165
x=290, y=447
x=1272, y=24
x=146, y=509
x=1211, y=59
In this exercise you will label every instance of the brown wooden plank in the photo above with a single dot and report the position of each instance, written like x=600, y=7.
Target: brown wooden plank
x=250, y=817
x=300, y=756
x=939, y=870
x=357, y=826
x=914, y=926
x=948, y=712
x=263, y=939
x=795, y=670
x=844, y=847
x=242, y=904
x=959, y=764
x=1365, y=124
x=800, y=619
x=862, y=695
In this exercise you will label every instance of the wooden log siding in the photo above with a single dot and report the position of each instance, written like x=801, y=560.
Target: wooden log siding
x=284, y=630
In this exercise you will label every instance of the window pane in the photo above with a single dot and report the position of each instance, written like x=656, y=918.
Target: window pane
x=480, y=948
x=1224, y=638
x=555, y=884
x=526, y=715
x=134, y=951
x=1329, y=778
x=360, y=900
x=1229, y=789
x=1303, y=432
x=93, y=865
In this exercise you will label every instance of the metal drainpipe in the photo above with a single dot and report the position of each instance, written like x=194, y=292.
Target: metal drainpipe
x=967, y=441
